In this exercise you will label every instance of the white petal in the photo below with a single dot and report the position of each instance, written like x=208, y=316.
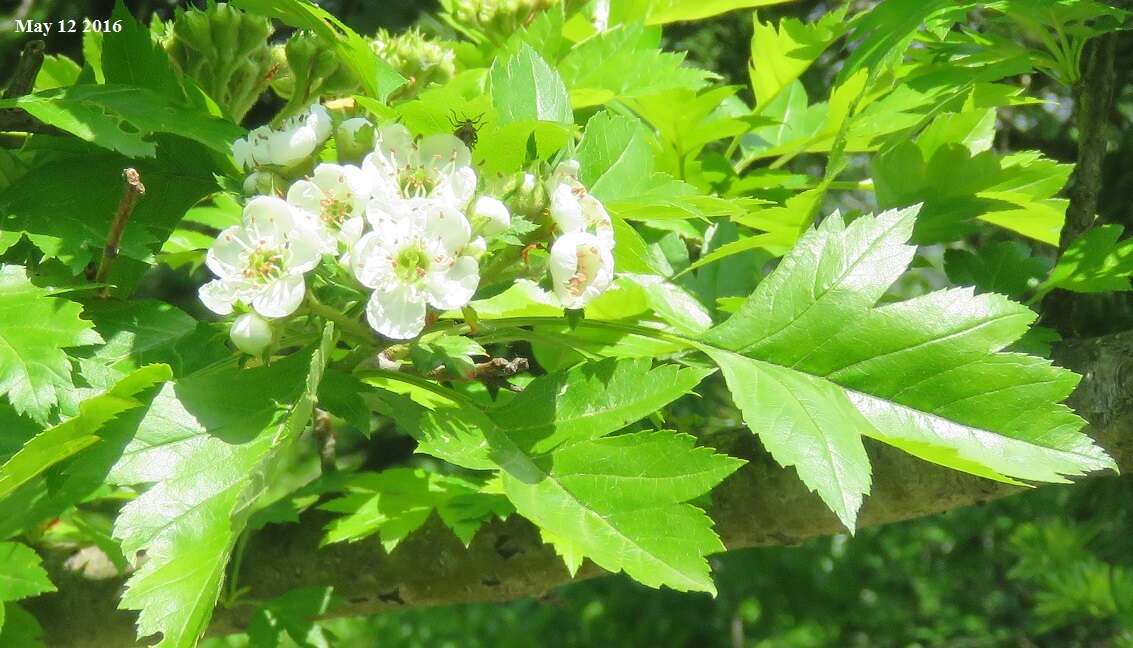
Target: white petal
x=217, y=296
x=398, y=313
x=372, y=262
x=225, y=257
x=457, y=186
x=318, y=120
x=455, y=286
x=395, y=143
x=281, y=297
x=444, y=150
x=566, y=209
x=269, y=219
x=447, y=225
x=306, y=195
x=306, y=246
x=351, y=230
x=242, y=151
x=292, y=146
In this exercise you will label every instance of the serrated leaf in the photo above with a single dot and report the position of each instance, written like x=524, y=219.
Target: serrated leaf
x=590, y=401
x=77, y=433
x=814, y=364
x=394, y=503
x=1097, y=261
x=779, y=55
x=123, y=118
x=623, y=63
x=622, y=502
x=34, y=369
x=18, y=628
x=207, y=445
x=524, y=88
x=23, y=575
x=133, y=57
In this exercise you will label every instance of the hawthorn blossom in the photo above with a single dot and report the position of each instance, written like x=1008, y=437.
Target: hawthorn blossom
x=337, y=196
x=294, y=141
x=404, y=172
x=413, y=260
x=574, y=209
x=261, y=262
x=582, y=267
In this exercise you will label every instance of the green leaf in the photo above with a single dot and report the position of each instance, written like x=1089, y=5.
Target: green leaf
x=779, y=56
x=208, y=445
x=19, y=628
x=1017, y=192
x=1095, y=262
x=524, y=87
x=623, y=63
x=885, y=32
x=454, y=352
x=145, y=331
x=377, y=77
x=621, y=501
x=1008, y=268
x=23, y=575
x=590, y=401
x=79, y=432
x=42, y=205
x=293, y=613
x=123, y=118
x=133, y=57
x=814, y=365
x=667, y=11
x=396, y=502
x=34, y=369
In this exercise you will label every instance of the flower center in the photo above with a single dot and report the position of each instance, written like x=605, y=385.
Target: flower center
x=411, y=264
x=334, y=212
x=417, y=181
x=589, y=263
x=264, y=264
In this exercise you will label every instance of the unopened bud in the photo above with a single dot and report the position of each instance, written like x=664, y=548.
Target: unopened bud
x=251, y=333
x=490, y=216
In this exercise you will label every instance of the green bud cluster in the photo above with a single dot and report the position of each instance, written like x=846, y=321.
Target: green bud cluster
x=420, y=60
x=495, y=20
x=225, y=51
x=310, y=68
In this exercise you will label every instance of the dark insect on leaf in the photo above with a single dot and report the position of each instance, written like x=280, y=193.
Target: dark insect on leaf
x=465, y=129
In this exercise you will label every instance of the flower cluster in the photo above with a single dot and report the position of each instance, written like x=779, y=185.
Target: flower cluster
x=409, y=223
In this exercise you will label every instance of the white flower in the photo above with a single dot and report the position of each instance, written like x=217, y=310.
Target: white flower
x=574, y=209
x=490, y=216
x=261, y=262
x=250, y=333
x=295, y=141
x=439, y=168
x=582, y=267
x=413, y=262
x=336, y=196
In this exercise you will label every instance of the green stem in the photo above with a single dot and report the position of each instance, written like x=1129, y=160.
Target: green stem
x=341, y=320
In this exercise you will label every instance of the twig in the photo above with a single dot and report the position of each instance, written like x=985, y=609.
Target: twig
x=27, y=68
x=132, y=192
x=326, y=440
x=21, y=83
x=493, y=372
x=1093, y=97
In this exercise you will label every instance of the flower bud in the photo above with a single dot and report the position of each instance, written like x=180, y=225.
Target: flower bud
x=225, y=51
x=582, y=268
x=490, y=216
x=250, y=333
x=354, y=139
x=263, y=183
x=415, y=57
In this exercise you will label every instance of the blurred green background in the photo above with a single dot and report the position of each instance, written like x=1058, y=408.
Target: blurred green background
x=1049, y=568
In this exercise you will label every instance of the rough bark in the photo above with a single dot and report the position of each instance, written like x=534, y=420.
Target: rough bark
x=761, y=504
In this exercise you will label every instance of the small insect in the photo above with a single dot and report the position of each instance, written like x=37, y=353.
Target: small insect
x=465, y=129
